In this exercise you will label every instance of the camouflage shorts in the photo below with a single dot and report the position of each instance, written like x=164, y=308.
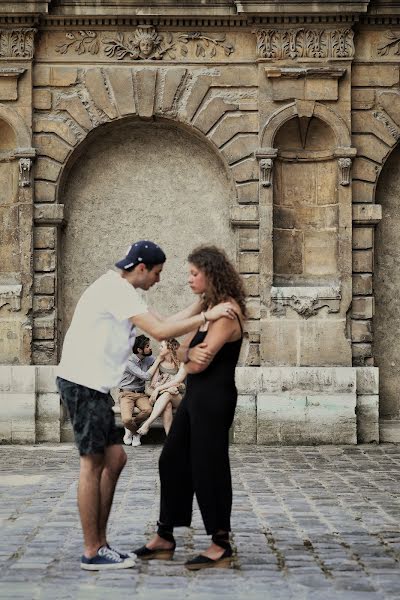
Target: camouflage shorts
x=92, y=417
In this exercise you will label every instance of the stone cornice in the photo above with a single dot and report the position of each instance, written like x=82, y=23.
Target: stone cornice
x=16, y=8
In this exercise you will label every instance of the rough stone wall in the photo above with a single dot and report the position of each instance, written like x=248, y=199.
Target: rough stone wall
x=276, y=118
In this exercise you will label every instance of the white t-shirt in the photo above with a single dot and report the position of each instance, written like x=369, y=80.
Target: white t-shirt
x=99, y=340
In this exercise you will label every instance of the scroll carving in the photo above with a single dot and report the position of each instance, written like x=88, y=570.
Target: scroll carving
x=393, y=44
x=16, y=43
x=145, y=43
x=305, y=301
x=344, y=169
x=281, y=44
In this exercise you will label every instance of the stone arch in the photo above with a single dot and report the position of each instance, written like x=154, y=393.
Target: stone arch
x=200, y=100
x=141, y=179
x=308, y=110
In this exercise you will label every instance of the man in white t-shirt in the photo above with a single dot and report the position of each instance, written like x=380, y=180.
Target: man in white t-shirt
x=96, y=349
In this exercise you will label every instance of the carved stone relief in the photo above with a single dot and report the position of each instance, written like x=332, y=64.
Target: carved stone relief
x=25, y=172
x=393, y=44
x=344, y=169
x=305, y=301
x=16, y=43
x=305, y=43
x=145, y=43
x=381, y=116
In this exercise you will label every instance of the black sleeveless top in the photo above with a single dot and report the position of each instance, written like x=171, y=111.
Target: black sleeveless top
x=220, y=373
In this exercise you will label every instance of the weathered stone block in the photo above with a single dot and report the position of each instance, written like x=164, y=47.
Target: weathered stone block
x=246, y=170
x=43, y=328
x=45, y=191
x=288, y=252
x=232, y=124
x=211, y=112
x=306, y=419
x=365, y=170
x=51, y=146
x=247, y=192
x=361, y=351
x=367, y=380
x=363, y=261
x=373, y=122
x=44, y=75
x=44, y=237
x=361, y=331
x=284, y=217
x=252, y=284
x=367, y=419
x=58, y=126
x=48, y=213
x=241, y=146
x=44, y=283
x=253, y=308
x=363, y=238
x=244, y=214
x=370, y=147
x=253, y=358
x=48, y=417
x=10, y=341
x=249, y=262
x=362, y=307
x=390, y=102
x=320, y=252
x=42, y=99
x=172, y=82
x=46, y=379
x=249, y=239
x=279, y=341
x=42, y=304
x=145, y=90
x=44, y=352
x=245, y=423
x=364, y=214
x=247, y=380
x=44, y=260
x=122, y=85
x=95, y=83
x=323, y=342
x=383, y=76
x=47, y=169
x=362, y=99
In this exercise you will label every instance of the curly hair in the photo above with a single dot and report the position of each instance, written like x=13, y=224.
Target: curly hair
x=223, y=279
x=173, y=347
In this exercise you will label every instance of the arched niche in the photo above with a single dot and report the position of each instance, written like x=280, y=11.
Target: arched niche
x=305, y=203
x=386, y=288
x=133, y=180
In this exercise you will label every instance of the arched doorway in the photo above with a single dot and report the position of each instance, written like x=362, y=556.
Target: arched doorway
x=138, y=180
x=387, y=284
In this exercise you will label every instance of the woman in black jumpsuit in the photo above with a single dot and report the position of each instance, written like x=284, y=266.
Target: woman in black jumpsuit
x=195, y=457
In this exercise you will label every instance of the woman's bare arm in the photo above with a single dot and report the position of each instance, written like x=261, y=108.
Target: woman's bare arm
x=189, y=311
x=179, y=378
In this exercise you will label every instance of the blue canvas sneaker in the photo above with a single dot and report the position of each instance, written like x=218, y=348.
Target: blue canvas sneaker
x=106, y=558
x=123, y=554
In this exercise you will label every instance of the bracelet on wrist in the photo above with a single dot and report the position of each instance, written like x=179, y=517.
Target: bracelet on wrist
x=203, y=315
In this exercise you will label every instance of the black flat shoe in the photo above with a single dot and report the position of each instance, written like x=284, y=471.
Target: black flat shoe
x=203, y=562
x=146, y=553
x=158, y=553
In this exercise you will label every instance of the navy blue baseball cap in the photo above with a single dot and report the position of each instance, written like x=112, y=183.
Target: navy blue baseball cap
x=145, y=252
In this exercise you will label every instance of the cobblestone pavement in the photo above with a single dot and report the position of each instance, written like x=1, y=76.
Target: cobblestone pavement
x=308, y=523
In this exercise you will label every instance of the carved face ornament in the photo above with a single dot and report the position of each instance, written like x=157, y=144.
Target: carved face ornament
x=146, y=42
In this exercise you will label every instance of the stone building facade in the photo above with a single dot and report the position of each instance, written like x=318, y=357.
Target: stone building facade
x=270, y=128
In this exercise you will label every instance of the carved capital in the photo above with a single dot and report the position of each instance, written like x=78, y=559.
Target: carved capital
x=344, y=170
x=25, y=165
x=266, y=165
x=16, y=43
